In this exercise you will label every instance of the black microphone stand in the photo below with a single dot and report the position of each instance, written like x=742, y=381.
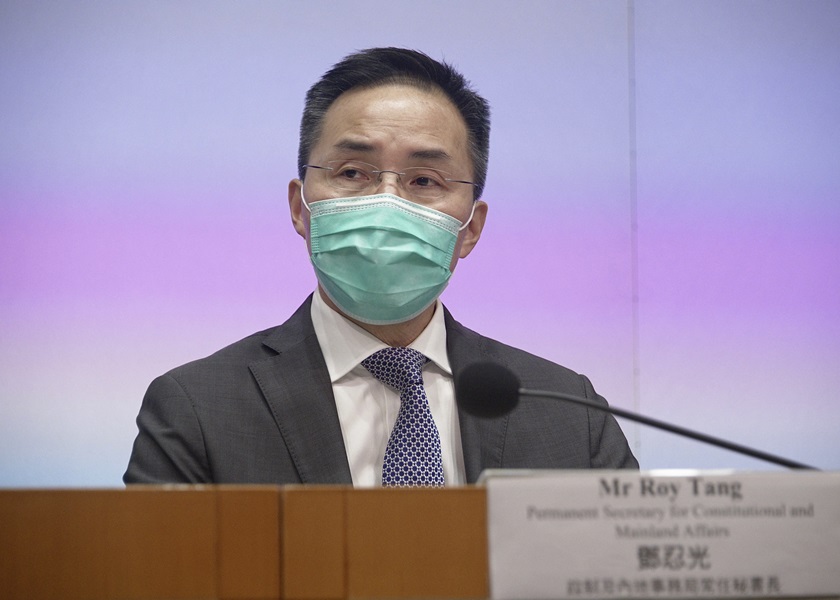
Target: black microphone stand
x=669, y=427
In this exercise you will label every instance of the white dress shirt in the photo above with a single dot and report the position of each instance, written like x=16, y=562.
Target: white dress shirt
x=367, y=408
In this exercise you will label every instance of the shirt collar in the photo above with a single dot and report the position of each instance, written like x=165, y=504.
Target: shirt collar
x=344, y=344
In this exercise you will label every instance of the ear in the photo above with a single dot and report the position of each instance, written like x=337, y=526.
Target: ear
x=473, y=231
x=298, y=212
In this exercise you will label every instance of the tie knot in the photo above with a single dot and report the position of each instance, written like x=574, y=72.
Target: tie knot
x=398, y=367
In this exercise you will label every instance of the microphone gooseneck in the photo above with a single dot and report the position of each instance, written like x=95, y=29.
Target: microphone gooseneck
x=491, y=390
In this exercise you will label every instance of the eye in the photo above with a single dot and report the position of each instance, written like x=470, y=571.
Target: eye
x=426, y=178
x=425, y=181
x=352, y=173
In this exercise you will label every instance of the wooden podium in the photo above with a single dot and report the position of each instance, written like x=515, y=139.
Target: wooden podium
x=252, y=542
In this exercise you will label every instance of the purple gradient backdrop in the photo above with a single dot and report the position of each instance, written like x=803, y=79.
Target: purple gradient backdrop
x=664, y=191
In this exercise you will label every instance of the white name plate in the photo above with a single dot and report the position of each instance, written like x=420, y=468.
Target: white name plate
x=663, y=534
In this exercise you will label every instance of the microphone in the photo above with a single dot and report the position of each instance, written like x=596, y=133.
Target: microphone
x=488, y=390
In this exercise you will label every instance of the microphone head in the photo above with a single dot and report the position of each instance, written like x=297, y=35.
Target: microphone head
x=487, y=390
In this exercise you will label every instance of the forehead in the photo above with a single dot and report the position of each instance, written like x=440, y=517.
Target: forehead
x=394, y=122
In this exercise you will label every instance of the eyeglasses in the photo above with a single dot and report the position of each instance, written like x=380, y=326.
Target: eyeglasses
x=357, y=178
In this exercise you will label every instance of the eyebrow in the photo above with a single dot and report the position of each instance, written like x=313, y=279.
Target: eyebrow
x=356, y=146
x=431, y=155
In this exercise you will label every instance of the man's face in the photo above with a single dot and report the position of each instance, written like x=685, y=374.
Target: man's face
x=393, y=127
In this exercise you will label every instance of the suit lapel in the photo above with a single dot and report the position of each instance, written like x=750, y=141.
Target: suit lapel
x=482, y=440
x=298, y=391
x=297, y=388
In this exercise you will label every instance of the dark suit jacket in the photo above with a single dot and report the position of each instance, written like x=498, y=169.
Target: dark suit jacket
x=262, y=411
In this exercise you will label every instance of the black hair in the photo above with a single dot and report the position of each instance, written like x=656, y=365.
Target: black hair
x=379, y=66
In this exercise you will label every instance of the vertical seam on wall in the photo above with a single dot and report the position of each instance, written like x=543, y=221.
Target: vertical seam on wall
x=634, y=215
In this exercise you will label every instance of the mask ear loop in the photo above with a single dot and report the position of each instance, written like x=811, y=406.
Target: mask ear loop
x=305, y=203
x=461, y=228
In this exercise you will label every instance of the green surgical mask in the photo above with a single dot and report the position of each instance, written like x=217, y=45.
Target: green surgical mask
x=381, y=258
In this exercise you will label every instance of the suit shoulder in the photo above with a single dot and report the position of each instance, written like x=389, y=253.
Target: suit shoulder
x=262, y=344
x=468, y=346
x=240, y=353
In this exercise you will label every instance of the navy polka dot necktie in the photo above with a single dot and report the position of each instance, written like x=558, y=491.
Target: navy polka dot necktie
x=412, y=456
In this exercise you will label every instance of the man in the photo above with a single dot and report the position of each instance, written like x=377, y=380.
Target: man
x=357, y=386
